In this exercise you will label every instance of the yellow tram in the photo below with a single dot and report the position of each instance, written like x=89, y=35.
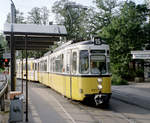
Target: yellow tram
x=76, y=70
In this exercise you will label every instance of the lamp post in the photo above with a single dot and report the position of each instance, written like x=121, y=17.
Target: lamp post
x=12, y=47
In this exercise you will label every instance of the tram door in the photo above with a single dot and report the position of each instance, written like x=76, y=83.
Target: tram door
x=68, y=70
x=72, y=60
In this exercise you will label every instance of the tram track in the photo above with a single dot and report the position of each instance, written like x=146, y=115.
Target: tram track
x=98, y=114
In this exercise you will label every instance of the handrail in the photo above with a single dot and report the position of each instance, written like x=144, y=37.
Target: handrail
x=4, y=88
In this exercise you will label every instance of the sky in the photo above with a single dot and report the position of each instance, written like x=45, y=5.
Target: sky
x=26, y=6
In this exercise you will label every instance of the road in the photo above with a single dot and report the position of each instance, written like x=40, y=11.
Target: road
x=47, y=106
x=136, y=94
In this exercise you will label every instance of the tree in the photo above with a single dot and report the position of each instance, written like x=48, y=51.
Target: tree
x=125, y=33
x=34, y=16
x=106, y=10
x=3, y=47
x=44, y=15
x=38, y=16
x=73, y=16
x=19, y=17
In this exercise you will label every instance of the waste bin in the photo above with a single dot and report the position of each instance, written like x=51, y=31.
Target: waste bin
x=16, y=109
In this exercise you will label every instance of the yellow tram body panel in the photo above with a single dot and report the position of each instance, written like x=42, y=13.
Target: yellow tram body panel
x=106, y=84
x=82, y=86
x=75, y=87
x=44, y=78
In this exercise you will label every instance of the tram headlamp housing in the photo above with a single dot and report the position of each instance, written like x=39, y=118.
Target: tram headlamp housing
x=99, y=80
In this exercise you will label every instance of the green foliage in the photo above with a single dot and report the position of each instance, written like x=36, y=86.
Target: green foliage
x=74, y=18
x=124, y=34
x=107, y=9
x=3, y=47
x=139, y=72
x=117, y=80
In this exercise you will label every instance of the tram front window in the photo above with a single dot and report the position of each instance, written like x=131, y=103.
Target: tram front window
x=98, y=64
x=84, y=62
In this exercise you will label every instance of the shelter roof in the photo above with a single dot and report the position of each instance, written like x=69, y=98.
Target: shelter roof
x=37, y=36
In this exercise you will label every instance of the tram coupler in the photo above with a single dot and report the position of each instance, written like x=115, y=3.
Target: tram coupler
x=98, y=99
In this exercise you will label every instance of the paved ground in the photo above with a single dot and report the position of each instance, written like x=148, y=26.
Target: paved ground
x=47, y=106
x=136, y=94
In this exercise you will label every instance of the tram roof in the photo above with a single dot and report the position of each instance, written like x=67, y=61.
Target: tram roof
x=38, y=36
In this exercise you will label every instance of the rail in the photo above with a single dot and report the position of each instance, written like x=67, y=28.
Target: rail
x=3, y=90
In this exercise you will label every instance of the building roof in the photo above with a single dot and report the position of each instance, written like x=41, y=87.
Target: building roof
x=145, y=54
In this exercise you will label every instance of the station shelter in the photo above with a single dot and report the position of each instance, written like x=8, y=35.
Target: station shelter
x=145, y=57
x=29, y=37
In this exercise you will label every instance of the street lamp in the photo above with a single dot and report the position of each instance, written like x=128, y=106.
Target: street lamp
x=12, y=47
x=13, y=12
x=73, y=5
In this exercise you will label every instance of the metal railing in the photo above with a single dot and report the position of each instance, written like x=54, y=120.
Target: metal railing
x=3, y=90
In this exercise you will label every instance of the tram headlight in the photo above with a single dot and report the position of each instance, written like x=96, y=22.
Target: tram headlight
x=99, y=80
x=99, y=87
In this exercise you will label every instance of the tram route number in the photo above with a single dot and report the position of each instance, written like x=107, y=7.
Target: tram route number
x=97, y=41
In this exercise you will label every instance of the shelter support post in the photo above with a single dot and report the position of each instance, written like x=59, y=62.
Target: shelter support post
x=26, y=38
x=22, y=72
x=13, y=66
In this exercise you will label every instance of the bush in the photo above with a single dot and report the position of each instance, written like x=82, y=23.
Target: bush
x=139, y=73
x=117, y=80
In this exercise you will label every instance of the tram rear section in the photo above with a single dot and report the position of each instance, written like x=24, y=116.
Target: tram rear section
x=76, y=70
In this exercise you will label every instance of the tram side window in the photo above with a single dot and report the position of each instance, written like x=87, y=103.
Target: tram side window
x=35, y=66
x=59, y=63
x=45, y=65
x=29, y=67
x=62, y=61
x=74, y=62
x=24, y=66
x=54, y=64
x=17, y=67
x=84, y=62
